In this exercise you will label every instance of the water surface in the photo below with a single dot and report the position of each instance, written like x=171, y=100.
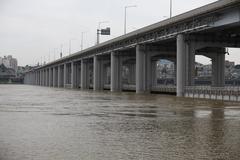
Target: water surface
x=40, y=123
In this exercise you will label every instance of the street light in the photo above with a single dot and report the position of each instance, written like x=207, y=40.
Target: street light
x=70, y=45
x=98, y=34
x=82, y=40
x=170, y=8
x=125, y=17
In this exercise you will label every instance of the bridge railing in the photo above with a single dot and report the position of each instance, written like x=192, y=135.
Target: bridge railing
x=229, y=93
x=164, y=88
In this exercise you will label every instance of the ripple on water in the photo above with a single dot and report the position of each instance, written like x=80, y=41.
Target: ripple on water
x=50, y=123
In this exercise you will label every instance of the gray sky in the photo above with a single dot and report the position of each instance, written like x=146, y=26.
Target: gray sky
x=31, y=29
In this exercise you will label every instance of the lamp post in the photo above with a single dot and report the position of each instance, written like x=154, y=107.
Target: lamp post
x=170, y=8
x=125, y=17
x=82, y=40
x=98, y=30
x=70, y=45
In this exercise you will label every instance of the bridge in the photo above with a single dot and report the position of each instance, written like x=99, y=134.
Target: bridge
x=206, y=31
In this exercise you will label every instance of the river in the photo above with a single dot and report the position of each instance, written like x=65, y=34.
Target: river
x=40, y=123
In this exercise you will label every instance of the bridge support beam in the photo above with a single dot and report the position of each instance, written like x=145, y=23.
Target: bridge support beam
x=50, y=77
x=47, y=77
x=181, y=68
x=185, y=64
x=65, y=75
x=73, y=75
x=40, y=78
x=218, y=70
x=84, y=75
x=143, y=70
x=116, y=72
x=97, y=74
x=44, y=77
x=60, y=80
x=78, y=75
x=54, y=77
x=154, y=73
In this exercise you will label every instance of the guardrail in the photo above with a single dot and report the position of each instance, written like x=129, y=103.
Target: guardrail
x=229, y=93
x=164, y=88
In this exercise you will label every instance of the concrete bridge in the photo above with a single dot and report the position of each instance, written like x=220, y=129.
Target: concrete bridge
x=207, y=31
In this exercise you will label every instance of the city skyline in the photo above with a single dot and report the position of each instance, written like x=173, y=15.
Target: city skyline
x=42, y=27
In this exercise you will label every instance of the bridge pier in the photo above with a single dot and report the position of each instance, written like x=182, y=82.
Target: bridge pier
x=50, y=77
x=218, y=70
x=185, y=64
x=85, y=74
x=154, y=73
x=73, y=75
x=47, y=77
x=116, y=72
x=181, y=68
x=44, y=77
x=78, y=74
x=106, y=74
x=65, y=75
x=54, y=78
x=98, y=71
x=60, y=76
x=143, y=70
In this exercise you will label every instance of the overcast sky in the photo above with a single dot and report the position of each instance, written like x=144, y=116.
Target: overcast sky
x=32, y=30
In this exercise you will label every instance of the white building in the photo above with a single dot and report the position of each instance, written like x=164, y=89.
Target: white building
x=9, y=62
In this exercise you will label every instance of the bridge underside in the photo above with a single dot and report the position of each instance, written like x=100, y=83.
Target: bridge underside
x=132, y=64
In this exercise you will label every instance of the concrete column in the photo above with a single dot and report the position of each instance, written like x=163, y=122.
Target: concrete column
x=143, y=70
x=73, y=75
x=98, y=81
x=84, y=75
x=181, y=68
x=40, y=78
x=59, y=76
x=35, y=77
x=140, y=69
x=154, y=73
x=218, y=70
x=54, y=77
x=47, y=78
x=175, y=73
x=116, y=72
x=44, y=77
x=65, y=75
x=50, y=77
x=78, y=75
x=190, y=63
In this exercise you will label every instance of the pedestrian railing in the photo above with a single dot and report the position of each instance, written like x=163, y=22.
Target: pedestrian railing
x=164, y=88
x=229, y=93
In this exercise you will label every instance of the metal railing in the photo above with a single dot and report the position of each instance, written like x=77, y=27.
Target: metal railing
x=164, y=88
x=229, y=93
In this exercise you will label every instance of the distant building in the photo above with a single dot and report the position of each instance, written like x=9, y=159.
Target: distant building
x=236, y=72
x=6, y=74
x=165, y=69
x=9, y=62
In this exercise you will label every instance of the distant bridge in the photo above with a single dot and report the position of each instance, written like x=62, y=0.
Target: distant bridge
x=207, y=31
